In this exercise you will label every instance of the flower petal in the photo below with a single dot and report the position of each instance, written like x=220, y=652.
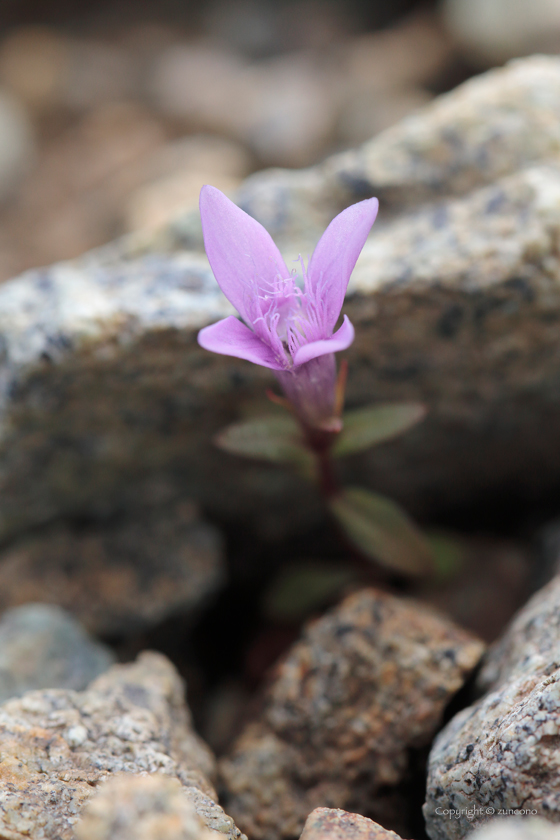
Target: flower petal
x=342, y=339
x=232, y=338
x=335, y=256
x=243, y=257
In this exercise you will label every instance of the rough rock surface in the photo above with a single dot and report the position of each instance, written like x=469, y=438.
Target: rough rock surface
x=118, y=577
x=42, y=646
x=367, y=681
x=335, y=824
x=57, y=745
x=129, y=807
x=455, y=299
x=501, y=753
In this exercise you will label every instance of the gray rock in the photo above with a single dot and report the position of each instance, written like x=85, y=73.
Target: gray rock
x=366, y=682
x=42, y=646
x=58, y=745
x=500, y=754
x=455, y=300
x=531, y=644
x=119, y=577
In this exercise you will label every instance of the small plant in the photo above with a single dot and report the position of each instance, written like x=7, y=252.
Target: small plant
x=289, y=326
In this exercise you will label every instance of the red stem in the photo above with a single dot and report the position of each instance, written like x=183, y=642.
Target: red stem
x=320, y=443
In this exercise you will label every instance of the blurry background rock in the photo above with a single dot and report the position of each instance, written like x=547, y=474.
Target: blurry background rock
x=112, y=119
x=118, y=577
x=42, y=646
x=493, y=31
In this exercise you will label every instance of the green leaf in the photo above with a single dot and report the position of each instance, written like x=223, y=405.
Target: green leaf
x=448, y=554
x=383, y=531
x=298, y=590
x=275, y=438
x=366, y=427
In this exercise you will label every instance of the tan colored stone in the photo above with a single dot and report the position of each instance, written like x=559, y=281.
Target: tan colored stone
x=56, y=746
x=366, y=682
x=129, y=807
x=335, y=824
x=176, y=173
x=34, y=64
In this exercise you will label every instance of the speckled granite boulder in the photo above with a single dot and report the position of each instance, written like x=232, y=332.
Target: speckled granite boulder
x=118, y=577
x=367, y=681
x=42, y=646
x=57, y=745
x=335, y=824
x=456, y=302
x=501, y=754
x=129, y=807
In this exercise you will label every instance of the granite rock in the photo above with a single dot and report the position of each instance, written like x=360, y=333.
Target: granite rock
x=455, y=300
x=42, y=646
x=335, y=824
x=367, y=681
x=129, y=807
x=58, y=745
x=500, y=754
x=531, y=644
x=118, y=577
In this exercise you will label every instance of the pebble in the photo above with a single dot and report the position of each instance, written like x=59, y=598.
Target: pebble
x=130, y=807
x=42, y=646
x=366, y=682
x=283, y=108
x=335, y=824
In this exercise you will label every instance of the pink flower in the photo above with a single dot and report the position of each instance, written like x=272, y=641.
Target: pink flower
x=289, y=317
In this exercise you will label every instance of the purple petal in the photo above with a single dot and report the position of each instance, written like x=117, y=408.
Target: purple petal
x=232, y=338
x=243, y=257
x=342, y=339
x=335, y=256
